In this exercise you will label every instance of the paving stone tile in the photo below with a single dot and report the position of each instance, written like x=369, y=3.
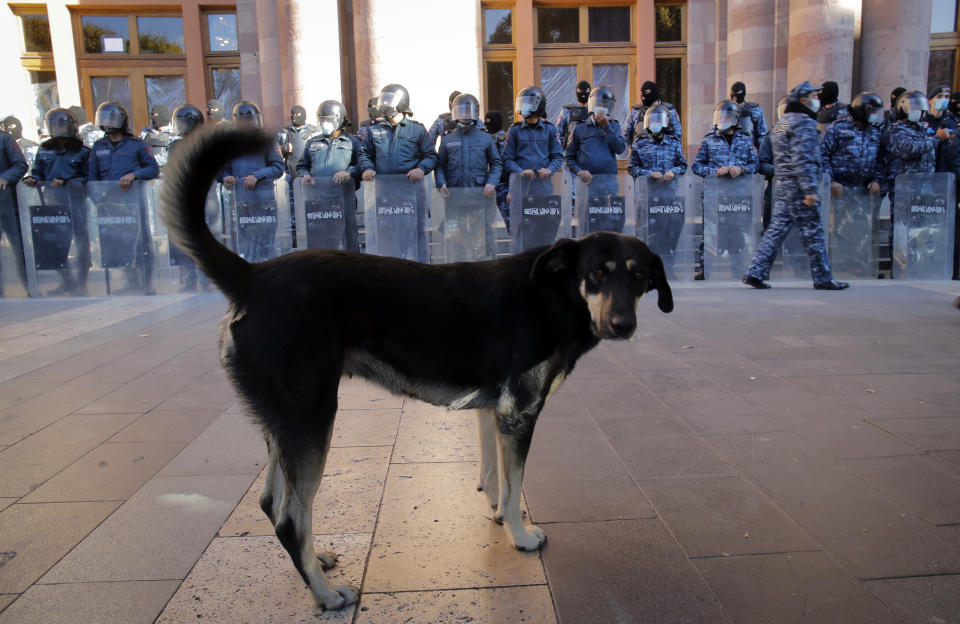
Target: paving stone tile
x=435, y=531
x=20, y=389
x=839, y=435
x=502, y=605
x=6, y=599
x=6, y=502
x=724, y=516
x=91, y=603
x=232, y=444
x=930, y=405
x=251, y=580
x=624, y=400
x=791, y=587
x=26, y=465
x=158, y=534
x=109, y=472
x=574, y=475
x=928, y=486
x=921, y=600
x=36, y=536
x=859, y=525
x=162, y=425
x=637, y=356
x=28, y=417
x=929, y=434
x=202, y=396
x=600, y=364
x=879, y=384
x=951, y=456
x=347, y=502
x=647, y=457
x=365, y=427
x=434, y=434
x=633, y=570
x=138, y=396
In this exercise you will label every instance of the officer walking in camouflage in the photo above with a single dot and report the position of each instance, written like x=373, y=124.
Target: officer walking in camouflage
x=649, y=95
x=751, y=111
x=796, y=155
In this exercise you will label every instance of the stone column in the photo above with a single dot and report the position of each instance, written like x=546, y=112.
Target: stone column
x=271, y=69
x=248, y=44
x=894, y=45
x=751, y=40
x=701, y=72
x=309, y=33
x=821, y=44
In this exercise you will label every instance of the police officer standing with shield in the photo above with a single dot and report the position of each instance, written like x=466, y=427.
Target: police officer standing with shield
x=397, y=144
x=727, y=150
x=532, y=148
x=292, y=140
x=649, y=95
x=796, y=154
x=13, y=166
x=458, y=164
x=850, y=149
x=331, y=151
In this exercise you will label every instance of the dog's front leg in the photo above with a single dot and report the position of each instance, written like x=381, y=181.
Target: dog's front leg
x=514, y=434
x=489, y=482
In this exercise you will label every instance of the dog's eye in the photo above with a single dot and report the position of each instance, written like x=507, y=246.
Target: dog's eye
x=599, y=273
x=638, y=276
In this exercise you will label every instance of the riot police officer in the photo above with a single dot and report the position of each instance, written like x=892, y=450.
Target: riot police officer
x=458, y=161
x=765, y=166
x=13, y=166
x=831, y=109
x=331, y=152
x=751, y=111
x=493, y=122
x=444, y=122
x=87, y=131
x=850, y=149
x=727, y=150
x=891, y=115
x=215, y=111
x=372, y=115
x=12, y=126
x=657, y=153
x=796, y=154
x=532, y=148
x=63, y=158
x=572, y=114
x=595, y=143
x=397, y=143
x=649, y=95
x=186, y=119
x=157, y=135
x=292, y=141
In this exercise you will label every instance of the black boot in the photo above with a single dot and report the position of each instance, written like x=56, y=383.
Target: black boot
x=756, y=282
x=831, y=285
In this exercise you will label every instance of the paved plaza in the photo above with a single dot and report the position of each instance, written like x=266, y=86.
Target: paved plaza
x=787, y=455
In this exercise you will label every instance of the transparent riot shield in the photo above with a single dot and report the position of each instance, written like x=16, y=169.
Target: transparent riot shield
x=732, y=219
x=395, y=217
x=792, y=261
x=55, y=223
x=176, y=272
x=13, y=272
x=326, y=214
x=850, y=224
x=665, y=222
x=923, y=221
x=466, y=223
x=603, y=204
x=540, y=210
x=259, y=226
x=122, y=245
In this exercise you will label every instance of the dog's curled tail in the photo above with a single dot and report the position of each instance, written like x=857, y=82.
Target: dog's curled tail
x=189, y=174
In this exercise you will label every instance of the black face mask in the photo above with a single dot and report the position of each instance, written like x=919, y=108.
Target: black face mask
x=738, y=96
x=649, y=99
x=583, y=96
x=954, y=106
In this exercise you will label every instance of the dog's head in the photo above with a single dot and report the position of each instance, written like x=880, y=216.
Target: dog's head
x=610, y=272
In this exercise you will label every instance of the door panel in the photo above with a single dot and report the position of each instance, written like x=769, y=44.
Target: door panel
x=111, y=88
x=559, y=84
x=170, y=91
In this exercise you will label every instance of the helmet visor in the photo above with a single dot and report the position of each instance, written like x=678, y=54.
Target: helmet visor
x=328, y=124
x=111, y=118
x=389, y=99
x=185, y=124
x=725, y=118
x=913, y=105
x=61, y=126
x=528, y=104
x=656, y=121
x=601, y=105
x=465, y=109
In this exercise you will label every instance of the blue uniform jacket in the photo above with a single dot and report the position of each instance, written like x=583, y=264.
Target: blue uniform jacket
x=649, y=155
x=61, y=164
x=850, y=154
x=13, y=165
x=267, y=166
x=323, y=156
x=796, y=153
x=948, y=151
x=595, y=148
x=633, y=128
x=909, y=149
x=765, y=158
x=388, y=149
x=532, y=147
x=112, y=161
x=716, y=152
x=468, y=158
x=438, y=129
x=759, y=121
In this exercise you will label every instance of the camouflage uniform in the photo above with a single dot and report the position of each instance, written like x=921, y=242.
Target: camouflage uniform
x=755, y=111
x=649, y=155
x=633, y=128
x=850, y=155
x=715, y=152
x=503, y=185
x=908, y=149
x=796, y=158
x=571, y=113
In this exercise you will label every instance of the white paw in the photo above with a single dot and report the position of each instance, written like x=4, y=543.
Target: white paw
x=530, y=538
x=327, y=558
x=338, y=597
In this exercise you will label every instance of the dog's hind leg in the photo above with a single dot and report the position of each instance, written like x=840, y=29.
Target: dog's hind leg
x=273, y=483
x=489, y=482
x=514, y=434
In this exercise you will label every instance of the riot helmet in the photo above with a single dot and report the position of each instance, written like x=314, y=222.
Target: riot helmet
x=531, y=101
x=583, y=92
x=60, y=123
x=186, y=119
x=215, y=111
x=373, y=111
x=159, y=116
x=601, y=100
x=331, y=116
x=911, y=106
x=726, y=116
x=656, y=121
x=781, y=107
x=939, y=100
x=867, y=108
x=247, y=114
x=465, y=110
x=12, y=126
x=453, y=96
x=393, y=100
x=298, y=116
x=79, y=113
x=112, y=117
x=649, y=93
x=738, y=92
x=894, y=95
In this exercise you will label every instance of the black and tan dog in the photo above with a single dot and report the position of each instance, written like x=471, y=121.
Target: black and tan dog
x=497, y=337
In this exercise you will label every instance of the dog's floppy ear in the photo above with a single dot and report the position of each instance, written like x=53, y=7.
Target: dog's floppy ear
x=658, y=281
x=559, y=259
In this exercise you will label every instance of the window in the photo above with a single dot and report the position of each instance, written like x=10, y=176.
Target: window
x=944, y=45
x=498, y=25
x=36, y=33
x=222, y=32
x=170, y=91
x=160, y=35
x=226, y=87
x=37, y=59
x=609, y=24
x=943, y=17
x=500, y=89
x=112, y=89
x=558, y=25
x=45, y=94
x=669, y=25
x=105, y=34
x=669, y=77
